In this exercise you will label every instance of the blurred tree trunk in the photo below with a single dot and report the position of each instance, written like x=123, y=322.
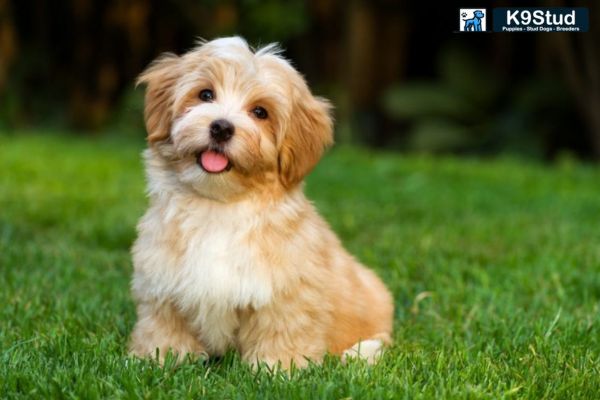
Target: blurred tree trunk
x=8, y=42
x=578, y=55
x=376, y=44
x=108, y=48
x=583, y=77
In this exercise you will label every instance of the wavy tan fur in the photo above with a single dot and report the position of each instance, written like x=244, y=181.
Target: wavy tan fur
x=241, y=259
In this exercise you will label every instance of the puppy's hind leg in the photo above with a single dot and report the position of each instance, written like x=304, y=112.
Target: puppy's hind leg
x=369, y=350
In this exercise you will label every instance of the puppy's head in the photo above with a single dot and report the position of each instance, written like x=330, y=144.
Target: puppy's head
x=226, y=120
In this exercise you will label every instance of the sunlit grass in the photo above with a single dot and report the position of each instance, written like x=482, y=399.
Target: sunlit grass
x=494, y=265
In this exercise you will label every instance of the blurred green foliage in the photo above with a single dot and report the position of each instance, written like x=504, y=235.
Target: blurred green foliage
x=273, y=20
x=471, y=108
x=128, y=116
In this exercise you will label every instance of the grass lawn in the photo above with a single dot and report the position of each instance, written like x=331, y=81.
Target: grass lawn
x=494, y=266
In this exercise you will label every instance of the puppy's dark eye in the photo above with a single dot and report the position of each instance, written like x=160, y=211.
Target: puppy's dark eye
x=207, y=95
x=260, y=112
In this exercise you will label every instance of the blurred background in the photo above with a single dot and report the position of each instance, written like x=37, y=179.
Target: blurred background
x=399, y=76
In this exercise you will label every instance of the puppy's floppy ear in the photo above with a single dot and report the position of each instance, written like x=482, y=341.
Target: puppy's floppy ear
x=309, y=133
x=160, y=78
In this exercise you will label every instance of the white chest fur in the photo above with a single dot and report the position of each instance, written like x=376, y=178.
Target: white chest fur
x=199, y=257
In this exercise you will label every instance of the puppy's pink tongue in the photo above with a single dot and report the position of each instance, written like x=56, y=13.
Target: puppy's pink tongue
x=213, y=161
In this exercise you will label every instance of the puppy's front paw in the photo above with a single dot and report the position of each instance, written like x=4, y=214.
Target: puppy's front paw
x=161, y=330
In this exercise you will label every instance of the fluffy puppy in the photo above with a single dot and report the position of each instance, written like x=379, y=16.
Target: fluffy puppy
x=230, y=253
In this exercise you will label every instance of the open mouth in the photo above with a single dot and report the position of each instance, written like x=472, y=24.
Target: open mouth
x=213, y=162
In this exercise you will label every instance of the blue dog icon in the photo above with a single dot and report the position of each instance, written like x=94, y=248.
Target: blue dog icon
x=474, y=24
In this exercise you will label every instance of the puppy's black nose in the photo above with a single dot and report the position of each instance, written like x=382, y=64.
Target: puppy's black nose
x=221, y=130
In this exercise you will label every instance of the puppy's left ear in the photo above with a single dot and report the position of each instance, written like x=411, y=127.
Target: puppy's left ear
x=160, y=78
x=309, y=134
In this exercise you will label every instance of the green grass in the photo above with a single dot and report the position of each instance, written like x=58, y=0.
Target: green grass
x=494, y=266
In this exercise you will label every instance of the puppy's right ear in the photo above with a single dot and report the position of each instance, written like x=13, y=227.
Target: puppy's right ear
x=160, y=78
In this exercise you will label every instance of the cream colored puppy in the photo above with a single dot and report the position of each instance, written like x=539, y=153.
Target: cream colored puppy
x=230, y=253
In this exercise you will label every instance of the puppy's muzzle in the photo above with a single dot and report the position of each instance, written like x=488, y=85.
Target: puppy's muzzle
x=221, y=130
